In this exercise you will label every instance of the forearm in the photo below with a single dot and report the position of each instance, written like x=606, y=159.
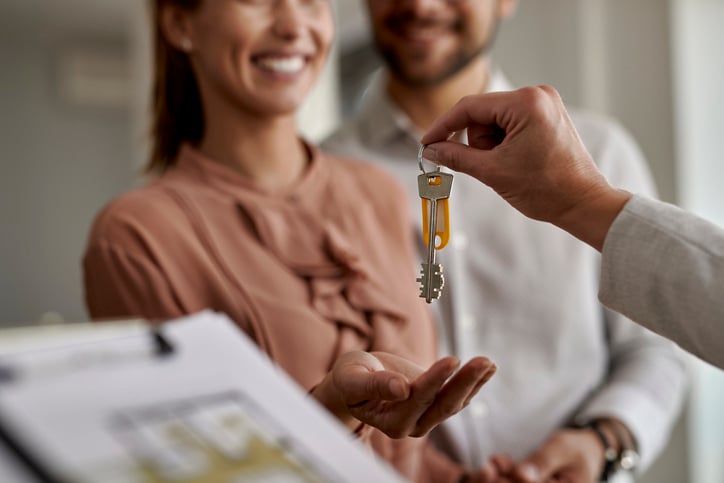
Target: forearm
x=591, y=219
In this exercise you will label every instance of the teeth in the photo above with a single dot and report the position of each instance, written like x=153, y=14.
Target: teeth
x=284, y=65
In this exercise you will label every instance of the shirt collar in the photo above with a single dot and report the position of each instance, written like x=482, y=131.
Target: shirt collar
x=382, y=122
x=192, y=164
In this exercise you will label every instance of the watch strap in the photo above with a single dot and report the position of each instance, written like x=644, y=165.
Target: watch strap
x=610, y=455
x=628, y=457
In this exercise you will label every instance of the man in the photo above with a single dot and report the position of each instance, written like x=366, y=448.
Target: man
x=661, y=266
x=521, y=292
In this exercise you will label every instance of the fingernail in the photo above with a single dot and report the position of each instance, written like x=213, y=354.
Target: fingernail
x=529, y=472
x=429, y=153
x=397, y=389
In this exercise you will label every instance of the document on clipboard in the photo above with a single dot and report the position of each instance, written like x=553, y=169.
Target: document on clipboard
x=192, y=401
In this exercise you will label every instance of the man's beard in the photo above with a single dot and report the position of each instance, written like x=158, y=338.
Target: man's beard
x=459, y=62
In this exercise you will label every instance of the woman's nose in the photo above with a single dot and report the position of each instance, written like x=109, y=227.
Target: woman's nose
x=290, y=18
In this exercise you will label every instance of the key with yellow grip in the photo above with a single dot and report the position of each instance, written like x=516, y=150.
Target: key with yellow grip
x=434, y=188
x=442, y=228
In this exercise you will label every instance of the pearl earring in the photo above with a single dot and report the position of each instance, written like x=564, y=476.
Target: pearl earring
x=186, y=45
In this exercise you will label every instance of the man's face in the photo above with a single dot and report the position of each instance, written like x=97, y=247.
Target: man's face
x=425, y=42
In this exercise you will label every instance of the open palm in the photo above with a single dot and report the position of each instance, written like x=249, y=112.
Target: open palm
x=399, y=397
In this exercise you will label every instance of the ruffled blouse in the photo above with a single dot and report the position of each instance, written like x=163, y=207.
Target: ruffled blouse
x=309, y=273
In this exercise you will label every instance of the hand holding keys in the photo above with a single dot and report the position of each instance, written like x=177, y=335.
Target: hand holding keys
x=434, y=189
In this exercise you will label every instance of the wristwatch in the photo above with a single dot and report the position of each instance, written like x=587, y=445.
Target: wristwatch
x=628, y=457
x=610, y=455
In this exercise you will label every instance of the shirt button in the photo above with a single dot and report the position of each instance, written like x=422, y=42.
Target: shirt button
x=460, y=240
x=480, y=409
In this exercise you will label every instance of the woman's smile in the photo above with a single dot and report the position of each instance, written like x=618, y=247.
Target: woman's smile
x=281, y=64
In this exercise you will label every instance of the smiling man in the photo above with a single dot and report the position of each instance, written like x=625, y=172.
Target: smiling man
x=574, y=379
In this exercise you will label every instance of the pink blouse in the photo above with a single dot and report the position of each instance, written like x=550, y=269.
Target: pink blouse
x=310, y=274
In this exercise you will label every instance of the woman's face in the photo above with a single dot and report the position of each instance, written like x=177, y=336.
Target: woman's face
x=263, y=55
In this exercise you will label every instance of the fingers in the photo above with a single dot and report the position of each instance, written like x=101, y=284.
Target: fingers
x=496, y=470
x=427, y=385
x=458, y=157
x=485, y=474
x=488, y=473
x=484, y=136
x=493, y=113
x=503, y=463
x=455, y=394
x=542, y=464
x=490, y=372
x=357, y=384
x=479, y=109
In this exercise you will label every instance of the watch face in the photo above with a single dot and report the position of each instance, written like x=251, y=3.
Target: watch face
x=629, y=459
x=610, y=454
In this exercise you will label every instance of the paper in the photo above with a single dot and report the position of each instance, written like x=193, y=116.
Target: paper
x=105, y=408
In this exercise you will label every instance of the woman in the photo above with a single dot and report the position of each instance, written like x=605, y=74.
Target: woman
x=308, y=254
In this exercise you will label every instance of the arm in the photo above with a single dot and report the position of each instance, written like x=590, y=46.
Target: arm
x=561, y=185
x=122, y=284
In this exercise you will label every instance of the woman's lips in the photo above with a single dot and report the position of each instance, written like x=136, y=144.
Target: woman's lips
x=281, y=64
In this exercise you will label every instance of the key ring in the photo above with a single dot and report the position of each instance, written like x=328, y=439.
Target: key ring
x=419, y=160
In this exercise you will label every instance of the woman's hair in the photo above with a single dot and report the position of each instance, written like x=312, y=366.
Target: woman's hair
x=177, y=115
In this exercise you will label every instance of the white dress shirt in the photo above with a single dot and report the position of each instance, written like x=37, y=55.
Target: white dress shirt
x=524, y=293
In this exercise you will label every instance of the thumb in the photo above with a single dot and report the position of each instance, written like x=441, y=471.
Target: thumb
x=460, y=157
x=539, y=466
x=358, y=384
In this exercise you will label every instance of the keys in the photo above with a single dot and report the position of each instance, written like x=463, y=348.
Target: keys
x=434, y=189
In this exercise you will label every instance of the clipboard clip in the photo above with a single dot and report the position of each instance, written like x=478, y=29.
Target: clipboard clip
x=162, y=346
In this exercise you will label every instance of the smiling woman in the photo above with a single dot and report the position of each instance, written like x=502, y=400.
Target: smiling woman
x=238, y=58
x=245, y=217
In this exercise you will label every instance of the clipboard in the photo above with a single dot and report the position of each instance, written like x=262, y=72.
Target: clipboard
x=192, y=400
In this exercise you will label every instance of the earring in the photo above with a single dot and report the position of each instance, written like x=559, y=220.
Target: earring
x=186, y=45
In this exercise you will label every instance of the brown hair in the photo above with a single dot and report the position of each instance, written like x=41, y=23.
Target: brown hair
x=177, y=115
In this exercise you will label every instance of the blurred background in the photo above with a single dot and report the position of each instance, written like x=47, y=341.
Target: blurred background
x=74, y=78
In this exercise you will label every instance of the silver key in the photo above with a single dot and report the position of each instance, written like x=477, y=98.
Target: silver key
x=432, y=186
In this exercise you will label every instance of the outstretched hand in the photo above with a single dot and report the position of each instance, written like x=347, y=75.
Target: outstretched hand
x=397, y=396
x=524, y=146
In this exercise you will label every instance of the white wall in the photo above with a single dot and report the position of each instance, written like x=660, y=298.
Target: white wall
x=612, y=56
x=58, y=164
x=698, y=46
x=320, y=113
